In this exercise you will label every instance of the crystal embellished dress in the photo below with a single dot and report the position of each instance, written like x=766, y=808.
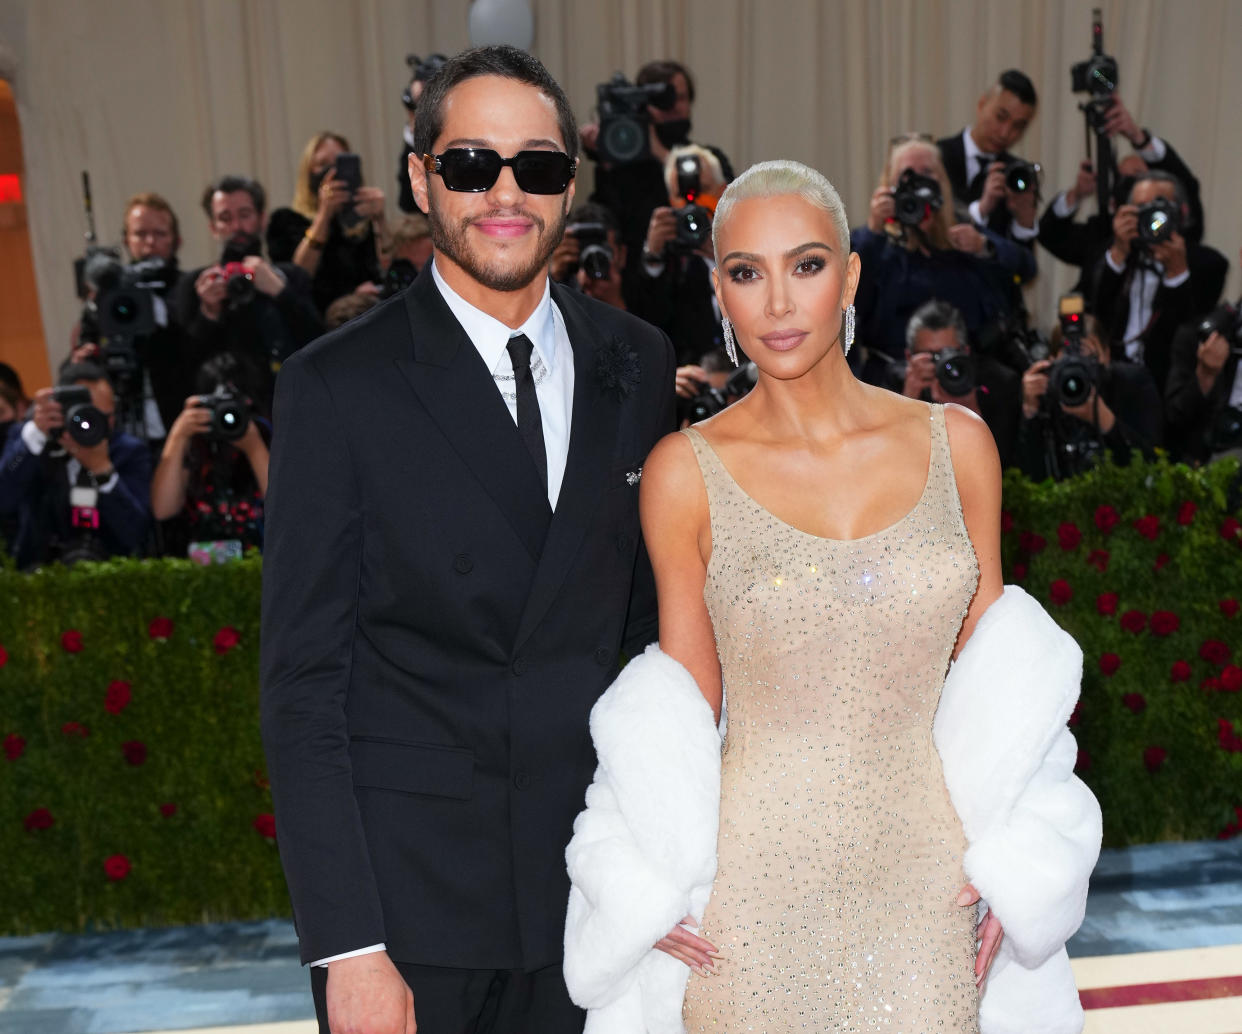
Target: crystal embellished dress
x=840, y=854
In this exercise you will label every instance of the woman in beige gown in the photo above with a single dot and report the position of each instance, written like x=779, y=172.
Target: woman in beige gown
x=821, y=548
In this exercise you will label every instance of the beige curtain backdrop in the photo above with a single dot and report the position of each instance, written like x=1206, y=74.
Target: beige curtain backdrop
x=165, y=94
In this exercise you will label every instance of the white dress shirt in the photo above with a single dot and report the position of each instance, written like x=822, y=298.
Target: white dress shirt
x=1143, y=287
x=552, y=366
x=976, y=160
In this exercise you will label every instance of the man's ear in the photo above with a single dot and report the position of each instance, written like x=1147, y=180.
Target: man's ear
x=418, y=181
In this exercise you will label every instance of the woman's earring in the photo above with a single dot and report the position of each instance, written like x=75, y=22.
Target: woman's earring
x=849, y=327
x=729, y=340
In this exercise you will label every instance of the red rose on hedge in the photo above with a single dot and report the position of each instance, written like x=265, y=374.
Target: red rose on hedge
x=4, y=656
x=1186, y=512
x=1135, y=702
x=168, y=810
x=1098, y=558
x=1153, y=758
x=1031, y=543
x=117, y=867
x=38, y=819
x=1214, y=651
x=117, y=697
x=1109, y=663
x=1006, y=521
x=1134, y=621
x=1180, y=672
x=1068, y=535
x=160, y=628
x=1019, y=572
x=265, y=824
x=1211, y=684
x=1231, y=530
x=1231, y=679
x=1106, y=518
x=1060, y=592
x=1083, y=761
x=71, y=641
x=14, y=746
x=227, y=638
x=1165, y=622
x=1148, y=527
x=1162, y=561
x=1229, y=740
x=75, y=729
x=1076, y=714
x=1106, y=603
x=135, y=752
x=1229, y=607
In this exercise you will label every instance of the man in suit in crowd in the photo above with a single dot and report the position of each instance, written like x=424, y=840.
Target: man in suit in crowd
x=453, y=566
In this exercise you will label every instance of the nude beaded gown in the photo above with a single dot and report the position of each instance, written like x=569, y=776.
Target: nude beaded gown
x=840, y=854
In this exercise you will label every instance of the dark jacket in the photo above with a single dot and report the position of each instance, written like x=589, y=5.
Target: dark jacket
x=953, y=156
x=345, y=263
x=679, y=302
x=434, y=636
x=1190, y=413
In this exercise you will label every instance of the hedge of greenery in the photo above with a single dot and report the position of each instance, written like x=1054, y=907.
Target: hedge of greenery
x=133, y=789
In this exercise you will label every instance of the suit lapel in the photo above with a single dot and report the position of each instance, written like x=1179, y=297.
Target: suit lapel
x=449, y=377
x=593, y=431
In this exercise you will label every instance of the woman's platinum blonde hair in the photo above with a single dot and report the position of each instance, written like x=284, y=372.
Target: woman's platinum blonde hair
x=777, y=179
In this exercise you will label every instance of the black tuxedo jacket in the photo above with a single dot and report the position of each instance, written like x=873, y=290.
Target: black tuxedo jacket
x=434, y=636
x=953, y=155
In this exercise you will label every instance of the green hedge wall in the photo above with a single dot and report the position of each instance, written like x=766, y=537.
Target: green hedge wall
x=132, y=786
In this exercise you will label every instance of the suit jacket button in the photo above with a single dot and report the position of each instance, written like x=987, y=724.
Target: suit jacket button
x=522, y=781
x=603, y=655
x=462, y=563
x=521, y=666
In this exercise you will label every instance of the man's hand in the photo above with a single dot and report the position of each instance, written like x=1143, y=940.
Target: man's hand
x=965, y=237
x=48, y=413
x=660, y=230
x=690, y=381
x=1125, y=229
x=85, y=352
x=565, y=258
x=883, y=208
x=1171, y=254
x=93, y=458
x=212, y=288
x=588, y=135
x=990, y=934
x=1034, y=385
x=994, y=191
x=1021, y=206
x=1119, y=120
x=266, y=278
x=920, y=373
x=695, y=951
x=366, y=995
x=1084, y=185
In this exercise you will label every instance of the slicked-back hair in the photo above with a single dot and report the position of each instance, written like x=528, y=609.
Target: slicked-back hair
x=1020, y=85
x=500, y=60
x=936, y=315
x=230, y=185
x=662, y=71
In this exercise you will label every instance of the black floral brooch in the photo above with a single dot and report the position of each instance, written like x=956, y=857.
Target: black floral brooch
x=617, y=368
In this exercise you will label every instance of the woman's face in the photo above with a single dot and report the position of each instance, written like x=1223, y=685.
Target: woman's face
x=784, y=279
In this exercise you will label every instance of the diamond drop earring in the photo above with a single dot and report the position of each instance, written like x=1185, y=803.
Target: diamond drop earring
x=849, y=327
x=729, y=341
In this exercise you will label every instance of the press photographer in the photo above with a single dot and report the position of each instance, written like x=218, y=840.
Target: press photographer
x=1151, y=280
x=940, y=367
x=591, y=255
x=421, y=69
x=77, y=486
x=1082, y=401
x=259, y=311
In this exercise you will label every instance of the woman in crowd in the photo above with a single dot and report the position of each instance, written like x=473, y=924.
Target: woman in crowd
x=330, y=232
x=905, y=264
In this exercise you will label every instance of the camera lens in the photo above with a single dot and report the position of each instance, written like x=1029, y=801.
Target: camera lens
x=1021, y=177
x=955, y=371
x=624, y=139
x=86, y=425
x=596, y=262
x=124, y=309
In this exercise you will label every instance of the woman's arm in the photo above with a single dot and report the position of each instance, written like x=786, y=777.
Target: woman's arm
x=677, y=529
x=171, y=479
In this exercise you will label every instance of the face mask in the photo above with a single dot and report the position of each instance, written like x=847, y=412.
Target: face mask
x=317, y=178
x=674, y=132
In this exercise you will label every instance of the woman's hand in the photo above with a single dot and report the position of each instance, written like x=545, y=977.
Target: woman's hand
x=883, y=208
x=333, y=194
x=990, y=934
x=194, y=418
x=965, y=237
x=369, y=203
x=696, y=952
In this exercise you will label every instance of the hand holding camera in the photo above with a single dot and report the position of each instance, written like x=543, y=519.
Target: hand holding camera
x=883, y=209
x=660, y=230
x=994, y=192
x=965, y=237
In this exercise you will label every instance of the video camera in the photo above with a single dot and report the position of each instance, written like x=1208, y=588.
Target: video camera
x=594, y=252
x=623, y=117
x=694, y=221
x=123, y=309
x=916, y=197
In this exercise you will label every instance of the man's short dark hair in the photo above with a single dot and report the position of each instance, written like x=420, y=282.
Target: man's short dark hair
x=500, y=60
x=662, y=71
x=1179, y=189
x=936, y=315
x=1020, y=85
x=11, y=379
x=71, y=373
x=591, y=212
x=232, y=184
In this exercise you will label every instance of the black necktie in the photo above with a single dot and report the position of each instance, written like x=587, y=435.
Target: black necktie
x=530, y=423
x=975, y=190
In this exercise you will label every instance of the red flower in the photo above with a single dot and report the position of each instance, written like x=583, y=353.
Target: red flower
x=1214, y=651
x=117, y=697
x=1229, y=740
x=1006, y=521
x=1109, y=663
x=1165, y=622
x=1098, y=558
x=1180, y=672
x=1068, y=535
x=168, y=810
x=1153, y=758
x=1019, y=572
x=1083, y=761
x=1231, y=530
x=1162, y=561
x=38, y=819
x=1148, y=527
x=160, y=628
x=1136, y=702
x=1229, y=607
x=75, y=729
x=1106, y=603
x=135, y=752
x=1211, y=684
x=4, y=656
x=117, y=867
x=14, y=746
x=1231, y=679
x=227, y=638
x=1134, y=621
x=1076, y=715
x=1106, y=519
x=265, y=825
x=71, y=641
x=1186, y=512
x=1030, y=543
x=1060, y=592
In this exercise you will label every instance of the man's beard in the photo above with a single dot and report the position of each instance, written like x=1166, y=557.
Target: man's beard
x=452, y=241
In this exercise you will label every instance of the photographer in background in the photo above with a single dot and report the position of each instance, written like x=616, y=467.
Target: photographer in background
x=992, y=187
x=260, y=311
x=591, y=255
x=334, y=228
x=1151, y=280
x=13, y=401
x=940, y=368
x=78, y=487
x=213, y=470
x=633, y=190
x=1081, y=401
x=421, y=69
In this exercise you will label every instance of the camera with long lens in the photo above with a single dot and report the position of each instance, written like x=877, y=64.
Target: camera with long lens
x=955, y=370
x=84, y=423
x=1158, y=220
x=1072, y=376
x=710, y=401
x=916, y=197
x=1098, y=74
x=623, y=117
x=594, y=252
x=694, y=221
x=1021, y=176
x=230, y=415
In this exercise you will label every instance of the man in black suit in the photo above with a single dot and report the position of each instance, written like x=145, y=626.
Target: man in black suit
x=453, y=566
x=976, y=159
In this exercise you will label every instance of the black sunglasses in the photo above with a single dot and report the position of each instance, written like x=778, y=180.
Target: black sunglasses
x=475, y=169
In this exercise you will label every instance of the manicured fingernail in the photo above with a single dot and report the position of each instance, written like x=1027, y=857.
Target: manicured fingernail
x=964, y=898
